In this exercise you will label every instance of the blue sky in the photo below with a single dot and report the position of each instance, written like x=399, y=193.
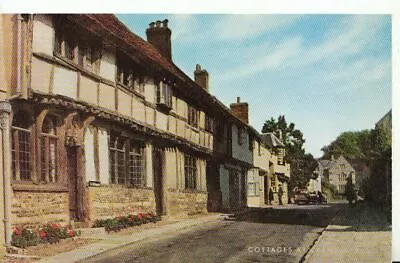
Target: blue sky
x=326, y=73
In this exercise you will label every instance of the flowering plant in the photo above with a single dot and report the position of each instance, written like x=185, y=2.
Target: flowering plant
x=120, y=222
x=50, y=233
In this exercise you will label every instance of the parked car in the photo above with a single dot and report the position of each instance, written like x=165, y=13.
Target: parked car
x=304, y=197
x=301, y=197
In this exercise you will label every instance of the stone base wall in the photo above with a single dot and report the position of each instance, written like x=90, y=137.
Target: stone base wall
x=114, y=200
x=185, y=203
x=38, y=208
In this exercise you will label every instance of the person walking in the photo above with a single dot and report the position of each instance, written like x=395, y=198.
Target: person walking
x=270, y=196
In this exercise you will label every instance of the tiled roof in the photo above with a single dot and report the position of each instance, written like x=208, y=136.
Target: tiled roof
x=271, y=140
x=108, y=26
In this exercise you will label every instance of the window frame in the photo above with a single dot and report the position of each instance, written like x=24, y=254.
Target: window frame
x=164, y=95
x=49, y=144
x=193, y=116
x=190, y=168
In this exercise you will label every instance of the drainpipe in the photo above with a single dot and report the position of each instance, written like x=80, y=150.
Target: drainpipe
x=5, y=110
x=19, y=53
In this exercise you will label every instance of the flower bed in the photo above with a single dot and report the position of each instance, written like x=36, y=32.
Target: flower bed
x=121, y=222
x=50, y=233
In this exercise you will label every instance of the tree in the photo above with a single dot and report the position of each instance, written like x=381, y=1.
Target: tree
x=302, y=165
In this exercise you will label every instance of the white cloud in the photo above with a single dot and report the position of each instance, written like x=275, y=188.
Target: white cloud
x=350, y=37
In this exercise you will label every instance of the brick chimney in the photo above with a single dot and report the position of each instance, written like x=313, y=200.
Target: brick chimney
x=240, y=110
x=201, y=77
x=159, y=35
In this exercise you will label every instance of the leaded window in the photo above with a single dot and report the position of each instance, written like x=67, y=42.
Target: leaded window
x=20, y=147
x=190, y=172
x=136, y=169
x=48, y=150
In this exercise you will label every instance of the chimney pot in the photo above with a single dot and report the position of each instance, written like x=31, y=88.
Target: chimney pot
x=159, y=35
x=198, y=67
x=237, y=99
x=165, y=23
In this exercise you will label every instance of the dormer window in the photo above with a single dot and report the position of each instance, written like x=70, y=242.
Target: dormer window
x=164, y=95
x=78, y=49
x=193, y=116
x=128, y=76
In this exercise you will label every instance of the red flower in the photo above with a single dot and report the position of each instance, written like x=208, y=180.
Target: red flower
x=71, y=233
x=17, y=231
x=55, y=226
x=140, y=216
x=42, y=234
x=130, y=219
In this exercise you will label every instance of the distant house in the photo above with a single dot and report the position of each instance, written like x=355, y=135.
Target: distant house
x=315, y=184
x=336, y=171
x=270, y=171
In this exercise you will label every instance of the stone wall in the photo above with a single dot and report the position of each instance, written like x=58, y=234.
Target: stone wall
x=115, y=200
x=186, y=203
x=36, y=208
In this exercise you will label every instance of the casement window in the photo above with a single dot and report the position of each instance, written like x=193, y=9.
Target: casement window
x=193, y=116
x=48, y=150
x=164, y=95
x=20, y=147
x=136, y=165
x=252, y=186
x=190, y=172
x=209, y=124
x=128, y=76
x=251, y=141
x=281, y=153
x=127, y=162
x=78, y=49
x=259, y=149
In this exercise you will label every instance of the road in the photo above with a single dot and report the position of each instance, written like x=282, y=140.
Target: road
x=263, y=235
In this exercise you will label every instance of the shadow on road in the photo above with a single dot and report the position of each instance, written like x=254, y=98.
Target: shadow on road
x=319, y=216
x=362, y=218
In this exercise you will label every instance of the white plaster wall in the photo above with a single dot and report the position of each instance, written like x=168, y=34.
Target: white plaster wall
x=201, y=175
x=149, y=165
x=224, y=185
x=181, y=108
x=41, y=75
x=149, y=90
x=65, y=82
x=150, y=116
x=108, y=66
x=104, y=163
x=161, y=121
x=124, y=103
x=90, y=172
x=241, y=152
x=138, y=110
x=43, y=35
x=171, y=169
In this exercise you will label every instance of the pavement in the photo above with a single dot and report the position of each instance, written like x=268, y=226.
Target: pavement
x=355, y=234
x=115, y=241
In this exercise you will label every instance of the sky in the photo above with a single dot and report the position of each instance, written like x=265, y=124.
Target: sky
x=326, y=73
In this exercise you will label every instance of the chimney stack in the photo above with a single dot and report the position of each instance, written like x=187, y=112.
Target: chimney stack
x=159, y=35
x=201, y=77
x=240, y=110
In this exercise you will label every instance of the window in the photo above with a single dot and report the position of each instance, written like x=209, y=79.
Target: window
x=164, y=95
x=127, y=161
x=136, y=169
x=209, y=124
x=240, y=136
x=48, y=150
x=128, y=76
x=252, y=186
x=193, y=116
x=77, y=48
x=190, y=172
x=259, y=148
x=20, y=147
x=117, y=160
x=281, y=153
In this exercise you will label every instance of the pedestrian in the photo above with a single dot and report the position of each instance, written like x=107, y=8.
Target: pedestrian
x=270, y=196
x=350, y=193
x=280, y=194
x=320, y=197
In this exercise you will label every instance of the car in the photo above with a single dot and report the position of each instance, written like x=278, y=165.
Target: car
x=301, y=197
